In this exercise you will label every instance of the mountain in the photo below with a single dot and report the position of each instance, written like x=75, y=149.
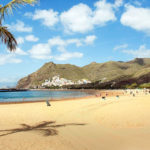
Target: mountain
x=70, y=72
x=96, y=72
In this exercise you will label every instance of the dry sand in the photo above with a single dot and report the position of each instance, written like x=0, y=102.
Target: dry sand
x=88, y=124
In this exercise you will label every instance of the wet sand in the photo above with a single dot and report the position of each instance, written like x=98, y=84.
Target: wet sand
x=88, y=124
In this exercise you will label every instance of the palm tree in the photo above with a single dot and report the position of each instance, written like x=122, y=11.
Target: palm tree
x=7, y=37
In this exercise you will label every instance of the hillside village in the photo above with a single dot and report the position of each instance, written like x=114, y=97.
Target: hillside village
x=57, y=81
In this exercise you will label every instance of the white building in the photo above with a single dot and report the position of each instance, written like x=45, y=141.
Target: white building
x=57, y=81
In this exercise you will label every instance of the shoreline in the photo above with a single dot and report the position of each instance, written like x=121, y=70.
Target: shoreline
x=94, y=94
x=53, y=100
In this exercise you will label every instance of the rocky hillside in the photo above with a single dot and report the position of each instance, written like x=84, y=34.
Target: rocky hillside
x=96, y=72
x=70, y=72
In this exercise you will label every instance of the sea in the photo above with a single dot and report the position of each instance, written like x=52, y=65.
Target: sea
x=39, y=95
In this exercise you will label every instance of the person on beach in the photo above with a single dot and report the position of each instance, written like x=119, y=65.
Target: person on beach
x=47, y=102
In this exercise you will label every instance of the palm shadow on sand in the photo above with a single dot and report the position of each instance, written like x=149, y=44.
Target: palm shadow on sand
x=48, y=128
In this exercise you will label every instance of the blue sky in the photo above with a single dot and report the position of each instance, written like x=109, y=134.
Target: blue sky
x=76, y=32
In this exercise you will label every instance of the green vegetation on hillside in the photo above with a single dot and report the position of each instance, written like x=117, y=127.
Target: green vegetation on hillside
x=131, y=86
x=102, y=72
x=145, y=85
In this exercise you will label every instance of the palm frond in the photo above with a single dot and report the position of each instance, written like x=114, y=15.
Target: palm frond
x=7, y=38
x=7, y=9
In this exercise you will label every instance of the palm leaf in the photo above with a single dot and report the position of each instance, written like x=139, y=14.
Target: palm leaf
x=7, y=38
x=7, y=9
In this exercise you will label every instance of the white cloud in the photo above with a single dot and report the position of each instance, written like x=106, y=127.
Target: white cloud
x=20, y=27
x=118, y=3
x=48, y=17
x=44, y=51
x=90, y=39
x=137, y=18
x=77, y=19
x=81, y=18
x=20, y=40
x=104, y=12
x=61, y=47
x=77, y=42
x=68, y=55
x=19, y=51
x=118, y=47
x=40, y=51
x=31, y=38
x=56, y=41
x=139, y=53
x=9, y=58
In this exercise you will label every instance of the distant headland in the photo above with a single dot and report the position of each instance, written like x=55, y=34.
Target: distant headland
x=12, y=90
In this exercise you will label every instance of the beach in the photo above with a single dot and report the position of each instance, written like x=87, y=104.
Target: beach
x=91, y=123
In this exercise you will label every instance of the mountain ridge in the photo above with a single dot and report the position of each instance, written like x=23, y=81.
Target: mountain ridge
x=104, y=72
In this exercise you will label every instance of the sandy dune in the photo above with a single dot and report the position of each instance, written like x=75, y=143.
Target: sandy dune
x=88, y=124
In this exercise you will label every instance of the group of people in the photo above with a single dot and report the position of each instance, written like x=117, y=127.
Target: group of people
x=132, y=92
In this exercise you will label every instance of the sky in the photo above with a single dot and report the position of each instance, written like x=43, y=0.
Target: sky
x=76, y=32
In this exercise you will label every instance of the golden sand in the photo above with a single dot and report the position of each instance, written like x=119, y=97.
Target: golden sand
x=88, y=124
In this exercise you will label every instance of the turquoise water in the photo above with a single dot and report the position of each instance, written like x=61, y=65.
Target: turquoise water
x=39, y=95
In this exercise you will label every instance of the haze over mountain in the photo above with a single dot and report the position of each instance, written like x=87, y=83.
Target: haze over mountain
x=104, y=72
